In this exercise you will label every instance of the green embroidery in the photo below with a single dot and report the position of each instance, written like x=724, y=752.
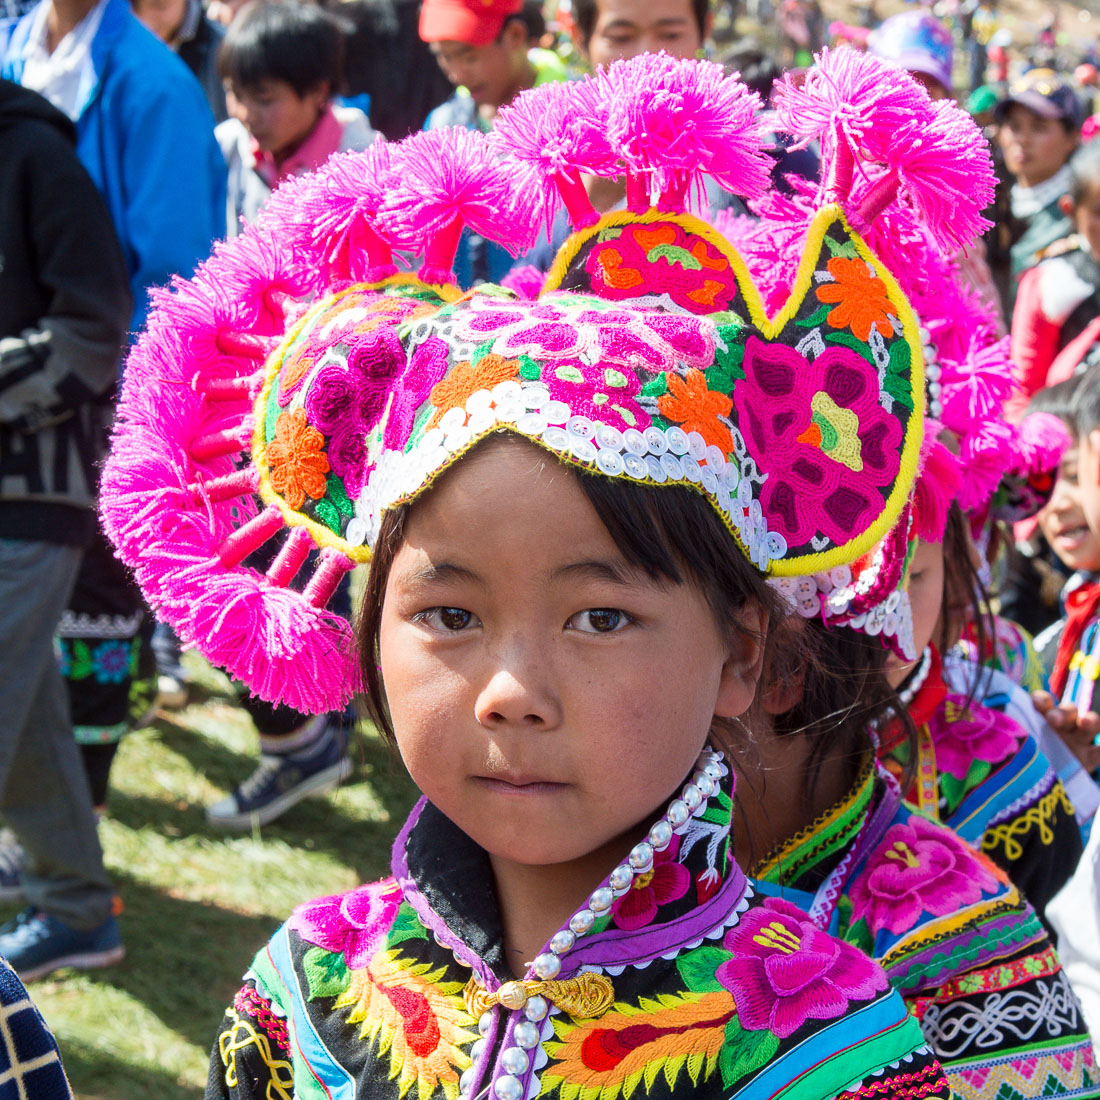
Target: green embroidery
x=853, y=342
x=697, y=968
x=845, y=248
x=614, y=378
x=529, y=369
x=955, y=790
x=569, y=374
x=406, y=926
x=675, y=254
x=898, y=370
x=326, y=972
x=816, y=318
x=338, y=494
x=610, y=233
x=744, y=1052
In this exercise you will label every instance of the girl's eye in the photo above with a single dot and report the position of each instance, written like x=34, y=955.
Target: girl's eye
x=599, y=620
x=446, y=618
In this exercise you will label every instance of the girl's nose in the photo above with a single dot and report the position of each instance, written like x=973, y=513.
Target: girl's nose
x=518, y=693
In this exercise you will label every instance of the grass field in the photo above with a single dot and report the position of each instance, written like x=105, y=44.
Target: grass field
x=198, y=903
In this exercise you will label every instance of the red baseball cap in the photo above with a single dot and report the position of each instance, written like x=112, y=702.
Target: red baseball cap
x=475, y=22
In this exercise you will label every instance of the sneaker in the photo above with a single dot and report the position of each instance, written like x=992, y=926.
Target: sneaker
x=280, y=782
x=12, y=858
x=35, y=944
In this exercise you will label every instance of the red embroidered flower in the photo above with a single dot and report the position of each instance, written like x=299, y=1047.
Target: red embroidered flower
x=297, y=459
x=918, y=867
x=826, y=444
x=355, y=923
x=785, y=970
x=963, y=734
x=667, y=881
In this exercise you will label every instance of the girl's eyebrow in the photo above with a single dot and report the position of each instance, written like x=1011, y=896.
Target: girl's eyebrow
x=598, y=570
x=443, y=572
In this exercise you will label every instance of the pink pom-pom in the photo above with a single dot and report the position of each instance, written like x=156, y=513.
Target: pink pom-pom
x=328, y=218
x=524, y=281
x=976, y=385
x=986, y=455
x=559, y=130
x=676, y=121
x=945, y=170
x=1041, y=441
x=937, y=486
x=873, y=118
x=445, y=179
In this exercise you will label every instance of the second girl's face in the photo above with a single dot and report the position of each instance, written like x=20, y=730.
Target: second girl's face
x=546, y=696
x=1063, y=520
x=925, y=589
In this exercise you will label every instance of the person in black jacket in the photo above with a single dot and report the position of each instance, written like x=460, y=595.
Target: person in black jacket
x=64, y=309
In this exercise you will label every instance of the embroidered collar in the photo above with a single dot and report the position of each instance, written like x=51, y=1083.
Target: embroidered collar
x=805, y=859
x=1028, y=201
x=671, y=890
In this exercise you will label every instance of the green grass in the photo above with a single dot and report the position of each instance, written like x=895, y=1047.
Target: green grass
x=198, y=902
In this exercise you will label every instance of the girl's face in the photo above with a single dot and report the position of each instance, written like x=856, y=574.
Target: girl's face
x=925, y=589
x=1063, y=521
x=546, y=696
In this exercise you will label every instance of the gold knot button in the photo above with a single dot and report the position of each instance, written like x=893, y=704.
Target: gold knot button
x=584, y=997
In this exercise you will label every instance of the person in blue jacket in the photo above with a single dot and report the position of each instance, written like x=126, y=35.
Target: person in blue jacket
x=144, y=130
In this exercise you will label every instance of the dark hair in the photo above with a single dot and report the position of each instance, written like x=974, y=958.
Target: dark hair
x=1086, y=403
x=296, y=43
x=1084, y=170
x=757, y=67
x=844, y=693
x=1058, y=400
x=963, y=587
x=585, y=14
x=671, y=532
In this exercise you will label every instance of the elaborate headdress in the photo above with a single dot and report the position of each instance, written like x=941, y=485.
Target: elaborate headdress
x=297, y=383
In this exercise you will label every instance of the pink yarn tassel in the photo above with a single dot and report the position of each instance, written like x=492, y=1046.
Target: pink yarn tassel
x=880, y=195
x=328, y=575
x=439, y=255
x=578, y=205
x=228, y=389
x=218, y=444
x=290, y=558
x=637, y=194
x=242, y=343
x=237, y=484
x=250, y=537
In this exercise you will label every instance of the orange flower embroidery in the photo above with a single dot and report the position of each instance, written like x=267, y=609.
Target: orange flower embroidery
x=297, y=459
x=860, y=298
x=696, y=408
x=455, y=389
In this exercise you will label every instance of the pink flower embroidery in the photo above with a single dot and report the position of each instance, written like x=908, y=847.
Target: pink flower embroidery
x=558, y=330
x=827, y=445
x=785, y=970
x=354, y=923
x=605, y=393
x=963, y=734
x=667, y=882
x=919, y=866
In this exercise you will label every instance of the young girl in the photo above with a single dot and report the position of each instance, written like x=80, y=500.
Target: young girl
x=562, y=502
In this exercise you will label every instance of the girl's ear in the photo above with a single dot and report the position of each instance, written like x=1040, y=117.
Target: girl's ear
x=744, y=664
x=784, y=674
